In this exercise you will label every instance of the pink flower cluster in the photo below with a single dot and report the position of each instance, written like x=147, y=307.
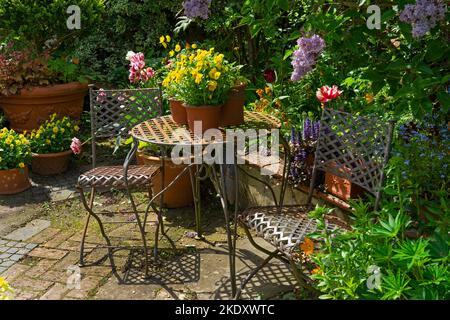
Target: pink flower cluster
x=75, y=146
x=138, y=71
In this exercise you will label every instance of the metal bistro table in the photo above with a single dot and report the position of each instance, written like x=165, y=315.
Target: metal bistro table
x=166, y=134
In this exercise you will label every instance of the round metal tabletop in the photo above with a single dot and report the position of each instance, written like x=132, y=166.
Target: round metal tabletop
x=166, y=132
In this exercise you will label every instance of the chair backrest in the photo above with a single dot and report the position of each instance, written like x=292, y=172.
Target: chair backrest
x=353, y=147
x=115, y=112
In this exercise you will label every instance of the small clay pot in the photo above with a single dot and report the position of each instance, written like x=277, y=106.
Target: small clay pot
x=178, y=112
x=208, y=115
x=179, y=195
x=51, y=163
x=14, y=181
x=233, y=109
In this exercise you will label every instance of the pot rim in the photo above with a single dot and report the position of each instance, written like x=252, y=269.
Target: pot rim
x=15, y=169
x=51, y=155
x=62, y=89
x=202, y=106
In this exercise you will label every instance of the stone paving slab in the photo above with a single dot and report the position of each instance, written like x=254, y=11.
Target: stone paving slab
x=31, y=229
x=12, y=252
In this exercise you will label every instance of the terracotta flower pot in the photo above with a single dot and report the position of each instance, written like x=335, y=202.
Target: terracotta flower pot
x=179, y=195
x=51, y=163
x=341, y=187
x=233, y=109
x=14, y=181
x=27, y=110
x=178, y=112
x=208, y=115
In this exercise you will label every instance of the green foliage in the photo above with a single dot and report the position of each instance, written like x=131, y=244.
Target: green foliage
x=14, y=150
x=408, y=268
x=126, y=25
x=42, y=23
x=55, y=135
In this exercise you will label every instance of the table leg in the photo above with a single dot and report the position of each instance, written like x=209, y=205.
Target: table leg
x=219, y=183
x=195, y=182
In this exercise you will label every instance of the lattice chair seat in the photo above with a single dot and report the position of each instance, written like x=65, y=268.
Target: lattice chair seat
x=112, y=177
x=286, y=229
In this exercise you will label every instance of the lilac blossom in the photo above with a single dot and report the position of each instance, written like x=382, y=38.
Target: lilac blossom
x=423, y=15
x=196, y=8
x=304, y=58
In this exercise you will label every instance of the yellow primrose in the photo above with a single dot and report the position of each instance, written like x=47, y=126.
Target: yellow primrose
x=76, y=128
x=168, y=38
x=162, y=39
x=55, y=130
x=194, y=46
x=47, y=141
x=171, y=53
x=21, y=165
x=178, y=47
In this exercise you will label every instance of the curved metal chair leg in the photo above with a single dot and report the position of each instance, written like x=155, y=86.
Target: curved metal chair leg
x=86, y=225
x=102, y=231
x=253, y=273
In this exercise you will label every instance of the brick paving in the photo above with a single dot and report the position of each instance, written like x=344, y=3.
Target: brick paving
x=12, y=252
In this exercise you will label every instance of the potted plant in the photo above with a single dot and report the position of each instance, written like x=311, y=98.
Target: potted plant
x=39, y=75
x=53, y=144
x=14, y=156
x=204, y=80
x=233, y=109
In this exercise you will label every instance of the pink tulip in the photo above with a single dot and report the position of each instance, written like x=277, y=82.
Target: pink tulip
x=327, y=93
x=75, y=146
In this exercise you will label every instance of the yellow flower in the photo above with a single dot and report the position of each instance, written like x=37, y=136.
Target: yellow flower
x=218, y=59
x=171, y=53
x=76, y=128
x=194, y=46
x=168, y=38
x=212, y=85
x=162, y=39
x=21, y=165
x=268, y=90
x=63, y=130
x=8, y=141
x=369, y=98
x=18, y=142
x=38, y=136
x=178, y=48
x=198, y=78
x=47, y=141
x=55, y=130
x=217, y=75
x=0, y=159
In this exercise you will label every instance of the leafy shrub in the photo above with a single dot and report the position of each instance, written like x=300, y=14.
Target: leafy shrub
x=382, y=259
x=126, y=25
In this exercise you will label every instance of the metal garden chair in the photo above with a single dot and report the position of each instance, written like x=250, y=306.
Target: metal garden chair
x=353, y=147
x=113, y=114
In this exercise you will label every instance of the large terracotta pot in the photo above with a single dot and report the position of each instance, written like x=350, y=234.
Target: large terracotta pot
x=178, y=112
x=27, y=110
x=14, y=181
x=51, y=163
x=233, y=109
x=208, y=115
x=179, y=195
